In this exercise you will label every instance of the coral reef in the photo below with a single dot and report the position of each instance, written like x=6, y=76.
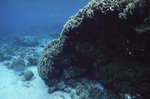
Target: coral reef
x=28, y=41
x=5, y=56
x=51, y=51
x=54, y=35
x=83, y=89
x=1, y=56
x=33, y=60
x=107, y=40
x=9, y=50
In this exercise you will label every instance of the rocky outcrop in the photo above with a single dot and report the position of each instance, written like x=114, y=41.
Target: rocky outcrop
x=107, y=40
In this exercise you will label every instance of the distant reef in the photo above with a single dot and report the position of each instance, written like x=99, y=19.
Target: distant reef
x=107, y=41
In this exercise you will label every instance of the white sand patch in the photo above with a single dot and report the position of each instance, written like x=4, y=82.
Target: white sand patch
x=11, y=86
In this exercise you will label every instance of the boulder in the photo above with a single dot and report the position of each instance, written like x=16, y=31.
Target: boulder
x=28, y=74
x=18, y=64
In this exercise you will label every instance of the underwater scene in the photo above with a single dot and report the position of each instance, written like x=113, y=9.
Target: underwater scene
x=75, y=49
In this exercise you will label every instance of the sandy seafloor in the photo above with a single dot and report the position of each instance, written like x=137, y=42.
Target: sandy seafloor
x=11, y=86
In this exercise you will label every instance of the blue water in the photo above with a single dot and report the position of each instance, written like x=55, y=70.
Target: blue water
x=36, y=17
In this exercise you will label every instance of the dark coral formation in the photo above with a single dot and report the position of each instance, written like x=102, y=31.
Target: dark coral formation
x=107, y=40
x=46, y=67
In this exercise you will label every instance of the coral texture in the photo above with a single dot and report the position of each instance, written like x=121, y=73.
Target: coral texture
x=107, y=40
